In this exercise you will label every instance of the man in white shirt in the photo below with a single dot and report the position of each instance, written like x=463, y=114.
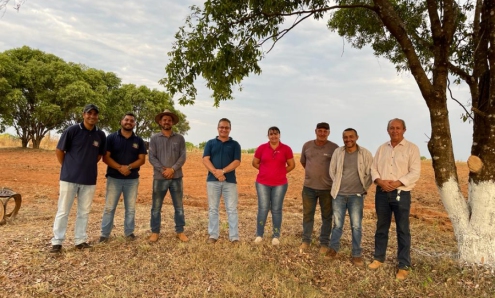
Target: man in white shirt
x=395, y=170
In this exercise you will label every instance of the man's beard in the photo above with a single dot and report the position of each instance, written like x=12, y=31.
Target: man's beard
x=127, y=129
x=166, y=127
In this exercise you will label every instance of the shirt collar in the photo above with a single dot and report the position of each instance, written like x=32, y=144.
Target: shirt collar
x=81, y=126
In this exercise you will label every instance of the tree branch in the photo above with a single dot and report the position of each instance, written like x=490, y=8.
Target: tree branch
x=460, y=72
x=282, y=33
x=299, y=12
x=309, y=13
x=313, y=11
x=452, y=96
x=17, y=5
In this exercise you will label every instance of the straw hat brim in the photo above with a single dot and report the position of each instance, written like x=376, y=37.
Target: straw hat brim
x=175, y=118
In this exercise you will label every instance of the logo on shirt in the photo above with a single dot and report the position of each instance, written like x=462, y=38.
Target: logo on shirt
x=135, y=145
x=96, y=144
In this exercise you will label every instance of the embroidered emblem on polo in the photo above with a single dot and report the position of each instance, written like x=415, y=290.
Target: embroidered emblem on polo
x=96, y=144
x=135, y=145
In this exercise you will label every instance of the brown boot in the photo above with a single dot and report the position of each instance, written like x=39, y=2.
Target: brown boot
x=182, y=237
x=375, y=265
x=402, y=274
x=323, y=249
x=154, y=237
x=331, y=254
x=303, y=247
x=358, y=262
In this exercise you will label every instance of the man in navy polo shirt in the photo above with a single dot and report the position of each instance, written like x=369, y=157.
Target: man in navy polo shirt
x=79, y=149
x=222, y=155
x=125, y=154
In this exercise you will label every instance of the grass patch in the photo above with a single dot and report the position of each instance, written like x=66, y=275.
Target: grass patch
x=170, y=268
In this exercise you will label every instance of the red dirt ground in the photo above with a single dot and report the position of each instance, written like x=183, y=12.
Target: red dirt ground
x=35, y=173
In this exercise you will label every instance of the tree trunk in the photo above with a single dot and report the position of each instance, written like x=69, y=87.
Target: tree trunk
x=473, y=220
x=477, y=242
x=473, y=224
x=476, y=238
x=37, y=142
x=24, y=141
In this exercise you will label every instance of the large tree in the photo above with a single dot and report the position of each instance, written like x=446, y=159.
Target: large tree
x=145, y=103
x=431, y=39
x=101, y=85
x=40, y=92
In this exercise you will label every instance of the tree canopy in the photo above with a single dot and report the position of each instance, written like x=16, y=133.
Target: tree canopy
x=145, y=104
x=223, y=42
x=40, y=92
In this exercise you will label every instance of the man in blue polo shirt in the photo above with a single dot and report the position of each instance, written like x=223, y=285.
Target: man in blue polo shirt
x=222, y=155
x=125, y=154
x=79, y=150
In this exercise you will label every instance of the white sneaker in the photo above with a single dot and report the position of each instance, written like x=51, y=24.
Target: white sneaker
x=275, y=241
x=258, y=240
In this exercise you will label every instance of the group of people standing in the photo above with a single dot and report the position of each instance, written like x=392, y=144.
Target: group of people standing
x=335, y=177
x=339, y=177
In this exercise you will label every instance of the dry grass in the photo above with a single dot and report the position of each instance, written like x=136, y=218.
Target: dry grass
x=49, y=142
x=173, y=269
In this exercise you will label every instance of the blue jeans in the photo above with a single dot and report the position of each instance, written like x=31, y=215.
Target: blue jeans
x=355, y=205
x=270, y=198
x=128, y=188
x=386, y=204
x=160, y=188
x=310, y=197
x=68, y=192
x=229, y=190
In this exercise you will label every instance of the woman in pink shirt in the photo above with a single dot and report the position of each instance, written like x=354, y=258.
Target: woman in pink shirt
x=273, y=160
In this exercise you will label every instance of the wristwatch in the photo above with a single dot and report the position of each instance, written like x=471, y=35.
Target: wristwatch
x=129, y=167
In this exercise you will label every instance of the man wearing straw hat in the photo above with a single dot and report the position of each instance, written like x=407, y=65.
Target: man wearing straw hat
x=167, y=154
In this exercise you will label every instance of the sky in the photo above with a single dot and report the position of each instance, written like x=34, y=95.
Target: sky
x=312, y=75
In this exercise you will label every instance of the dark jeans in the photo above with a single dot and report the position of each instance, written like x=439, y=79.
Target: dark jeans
x=386, y=204
x=310, y=197
x=160, y=188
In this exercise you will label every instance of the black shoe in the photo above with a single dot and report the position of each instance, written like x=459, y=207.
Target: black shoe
x=131, y=237
x=56, y=249
x=83, y=245
x=103, y=239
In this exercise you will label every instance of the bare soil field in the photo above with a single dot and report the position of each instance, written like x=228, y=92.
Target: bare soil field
x=172, y=269
x=35, y=173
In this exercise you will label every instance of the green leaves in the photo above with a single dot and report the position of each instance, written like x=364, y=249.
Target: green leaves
x=40, y=92
x=145, y=103
x=221, y=43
